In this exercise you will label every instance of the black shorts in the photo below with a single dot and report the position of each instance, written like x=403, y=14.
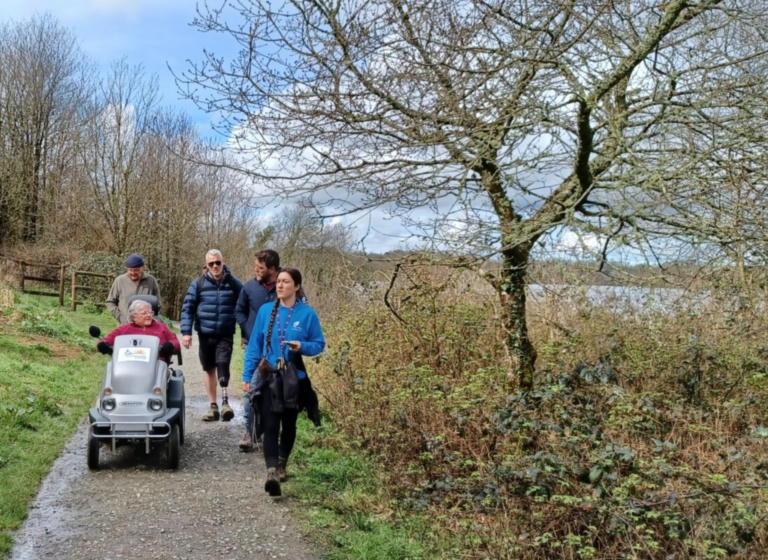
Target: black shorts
x=215, y=350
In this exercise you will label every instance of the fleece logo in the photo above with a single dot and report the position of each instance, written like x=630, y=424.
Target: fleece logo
x=297, y=326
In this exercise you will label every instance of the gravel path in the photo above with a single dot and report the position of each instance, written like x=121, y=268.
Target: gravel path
x=214, y=507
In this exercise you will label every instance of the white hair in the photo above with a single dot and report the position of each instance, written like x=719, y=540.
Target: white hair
x=136, y=306
x=214, y=253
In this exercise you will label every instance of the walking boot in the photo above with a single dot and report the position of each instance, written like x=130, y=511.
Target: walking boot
x=272, y=486
x=212, y=415
x=226, y=412
x=281, y=464
x=246, y=443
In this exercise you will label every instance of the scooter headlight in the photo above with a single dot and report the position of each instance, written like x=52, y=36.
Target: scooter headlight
x=108, y=404
x=156, y=404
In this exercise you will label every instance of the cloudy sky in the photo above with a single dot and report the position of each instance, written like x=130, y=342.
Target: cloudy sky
x=154, y=33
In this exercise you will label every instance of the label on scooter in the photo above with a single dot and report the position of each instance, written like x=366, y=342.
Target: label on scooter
x=134, y=354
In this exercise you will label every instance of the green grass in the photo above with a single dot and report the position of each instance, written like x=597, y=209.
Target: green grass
x=47, y=382
x=344, y=504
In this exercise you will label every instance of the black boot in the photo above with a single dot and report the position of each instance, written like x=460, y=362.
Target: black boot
x=272, y=486
x=281, y=464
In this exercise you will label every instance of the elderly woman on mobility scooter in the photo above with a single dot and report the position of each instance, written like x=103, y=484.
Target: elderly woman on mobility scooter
x=275, y=372
x=143, y=322
x=141, y=398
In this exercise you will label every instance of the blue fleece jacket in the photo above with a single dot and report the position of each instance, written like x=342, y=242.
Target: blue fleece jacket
x=303, y=326
x=212, y=311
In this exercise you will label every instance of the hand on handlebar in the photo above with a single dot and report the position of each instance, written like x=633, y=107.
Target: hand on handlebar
x=166, y=350
x=104, y=348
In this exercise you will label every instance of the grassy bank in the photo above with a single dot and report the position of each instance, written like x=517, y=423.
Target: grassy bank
x=345, y=507
x=49, y=376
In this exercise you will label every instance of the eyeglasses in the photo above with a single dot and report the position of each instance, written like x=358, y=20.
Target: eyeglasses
x=149, y=313
x=214, y=263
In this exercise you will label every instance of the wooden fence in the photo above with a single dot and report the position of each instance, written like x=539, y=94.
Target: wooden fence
x=75, y=287
x=60, y=281
x=24, y=278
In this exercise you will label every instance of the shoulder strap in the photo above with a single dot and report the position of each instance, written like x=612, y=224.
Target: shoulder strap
x=200, y=282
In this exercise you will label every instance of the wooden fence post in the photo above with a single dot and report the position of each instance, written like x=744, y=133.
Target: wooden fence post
x=23, y=274
x=61, y=286
x=74, y=289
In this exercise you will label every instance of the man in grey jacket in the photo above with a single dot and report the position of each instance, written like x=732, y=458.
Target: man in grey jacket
x=134, y=281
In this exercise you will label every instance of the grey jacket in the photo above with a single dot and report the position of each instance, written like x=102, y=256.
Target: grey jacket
x=122, y=290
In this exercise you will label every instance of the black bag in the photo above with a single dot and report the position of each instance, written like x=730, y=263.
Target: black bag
x=308, y=401
x=283, y=385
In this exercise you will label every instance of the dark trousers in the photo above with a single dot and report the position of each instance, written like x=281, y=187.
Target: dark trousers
x=276, y=444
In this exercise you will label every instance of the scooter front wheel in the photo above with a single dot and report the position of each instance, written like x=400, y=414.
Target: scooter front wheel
x=174, y=448
x=94, y=446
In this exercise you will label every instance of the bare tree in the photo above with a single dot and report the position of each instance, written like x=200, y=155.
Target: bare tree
x=41, y=90
x=507, y=119
x=122, y=113
x=296, y=227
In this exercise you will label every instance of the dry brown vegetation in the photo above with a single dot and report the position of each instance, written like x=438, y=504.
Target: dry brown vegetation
x=645, y=436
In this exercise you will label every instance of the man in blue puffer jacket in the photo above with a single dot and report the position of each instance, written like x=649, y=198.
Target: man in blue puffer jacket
x=209, y=306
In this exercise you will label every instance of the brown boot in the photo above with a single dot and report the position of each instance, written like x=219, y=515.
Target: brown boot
x=281, y=464
x=226, y=412
x=246, y=443
x=272, y=486
x=212, y=415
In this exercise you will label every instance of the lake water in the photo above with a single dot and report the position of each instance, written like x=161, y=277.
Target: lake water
x=622, y=298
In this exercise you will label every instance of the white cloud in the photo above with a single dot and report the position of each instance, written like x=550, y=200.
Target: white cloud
x=579, y=245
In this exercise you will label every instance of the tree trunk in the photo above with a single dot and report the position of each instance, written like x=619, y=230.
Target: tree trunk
x=522, y=354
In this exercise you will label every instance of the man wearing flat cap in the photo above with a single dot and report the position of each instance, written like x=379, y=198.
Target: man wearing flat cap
x=134, y=281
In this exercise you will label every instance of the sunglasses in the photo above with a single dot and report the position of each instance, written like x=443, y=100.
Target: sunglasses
x=214, y=263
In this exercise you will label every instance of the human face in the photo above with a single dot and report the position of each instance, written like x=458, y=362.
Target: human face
x=143, y=317
x=286, y=287
x=135, y=274
x=262, y=273
x=215, y=266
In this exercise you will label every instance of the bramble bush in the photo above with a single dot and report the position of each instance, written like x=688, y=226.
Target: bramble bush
x=645, y=436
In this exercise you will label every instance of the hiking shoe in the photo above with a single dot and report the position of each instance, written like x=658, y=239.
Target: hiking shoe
x=226, y=412
x=246, y=443
x=212, y=415
x=272, y=486
x=281, y=464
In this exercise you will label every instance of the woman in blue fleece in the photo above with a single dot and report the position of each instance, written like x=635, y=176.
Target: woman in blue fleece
x=287, y=330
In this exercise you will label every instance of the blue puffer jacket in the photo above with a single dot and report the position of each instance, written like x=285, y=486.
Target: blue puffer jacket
x=254, y=295
x=212, y=310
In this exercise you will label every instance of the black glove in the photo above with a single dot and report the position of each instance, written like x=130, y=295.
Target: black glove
x=104, y=348
x=167, y=349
